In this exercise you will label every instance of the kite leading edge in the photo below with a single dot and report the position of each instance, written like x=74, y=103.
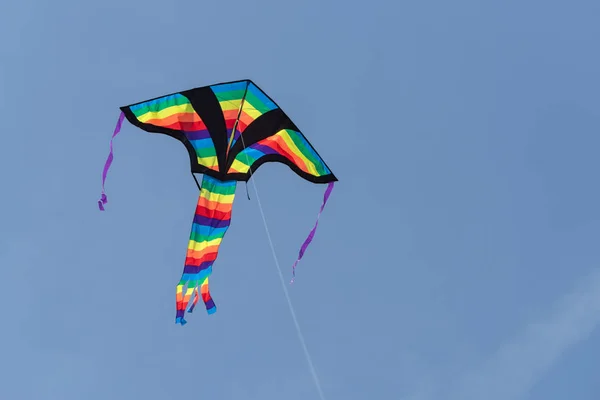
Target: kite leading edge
x=229, y=130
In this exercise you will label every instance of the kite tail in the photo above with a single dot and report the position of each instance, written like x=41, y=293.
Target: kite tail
x=103, y=199
x=211, y=220
x=311, y=235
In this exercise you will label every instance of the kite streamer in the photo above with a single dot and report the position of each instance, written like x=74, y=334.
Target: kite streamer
x=103, y=199
x=211, y=221
x=311, y=235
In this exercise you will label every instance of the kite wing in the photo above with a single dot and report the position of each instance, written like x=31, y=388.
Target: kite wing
x=264, y=133
x=229, y=130
x=190, y=117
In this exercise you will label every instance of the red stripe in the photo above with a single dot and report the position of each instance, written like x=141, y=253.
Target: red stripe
x=197, y=261
x=214, y=214
x=187, y=126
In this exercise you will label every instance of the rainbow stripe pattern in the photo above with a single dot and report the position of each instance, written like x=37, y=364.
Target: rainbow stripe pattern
x=210, y=121
x=211, y=221
x=286, y=143
x=242, y=102
x=176, y=113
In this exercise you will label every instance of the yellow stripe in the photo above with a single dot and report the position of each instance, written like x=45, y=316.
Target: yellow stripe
x=292, y=146
x=251, y=111
x=167, y=112
x=209, y=162
x=200, y=246
x=228, y=105
x=217, y=197
x=188, y=294
x=238, y=166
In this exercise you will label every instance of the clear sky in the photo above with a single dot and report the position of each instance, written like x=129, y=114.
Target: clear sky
x=458, y=256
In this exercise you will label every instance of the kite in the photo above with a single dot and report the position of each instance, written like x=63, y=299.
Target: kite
x=229, y=130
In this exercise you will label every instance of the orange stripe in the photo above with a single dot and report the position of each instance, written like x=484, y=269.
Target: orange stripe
x=191, y=253
x=230, y=114
x=200, y=258
x=204, y=289
x=219, y=206
x=247, y=119
x=244, y=121
x=282, y=147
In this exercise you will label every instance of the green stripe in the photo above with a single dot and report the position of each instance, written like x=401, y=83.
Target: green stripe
x=257, y=103
x=219, y=189
x=191, y=284
x=158, y=105
x=245, y=158
x=230, y=95
x=206, y=152
x=197, y=237
x=307, y=151
x=250, y=97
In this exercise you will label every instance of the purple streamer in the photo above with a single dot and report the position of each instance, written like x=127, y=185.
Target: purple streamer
x=311, y=235
x=103, y=199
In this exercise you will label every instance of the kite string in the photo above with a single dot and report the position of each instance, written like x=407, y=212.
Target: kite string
x=313, y=371
x=289, y=301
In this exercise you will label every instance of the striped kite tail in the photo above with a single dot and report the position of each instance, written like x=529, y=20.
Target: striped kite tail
x=211, y=221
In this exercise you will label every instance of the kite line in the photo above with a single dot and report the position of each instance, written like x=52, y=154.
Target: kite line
x=311, y=366
x=289, y=301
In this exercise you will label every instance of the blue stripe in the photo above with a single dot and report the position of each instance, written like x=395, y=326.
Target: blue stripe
x=197, y=269
x=202, y=143
x=301, y=137
x=261, y=96
x=252, y=153
x=156, y=102
x=198, y=276
x=210, y=180
x=226, y=87
x=208, y=230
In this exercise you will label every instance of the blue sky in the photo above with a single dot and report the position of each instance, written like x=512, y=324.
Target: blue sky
x=457, y=257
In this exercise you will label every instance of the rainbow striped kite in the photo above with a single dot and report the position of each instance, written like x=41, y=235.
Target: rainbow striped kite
x=229, y=130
